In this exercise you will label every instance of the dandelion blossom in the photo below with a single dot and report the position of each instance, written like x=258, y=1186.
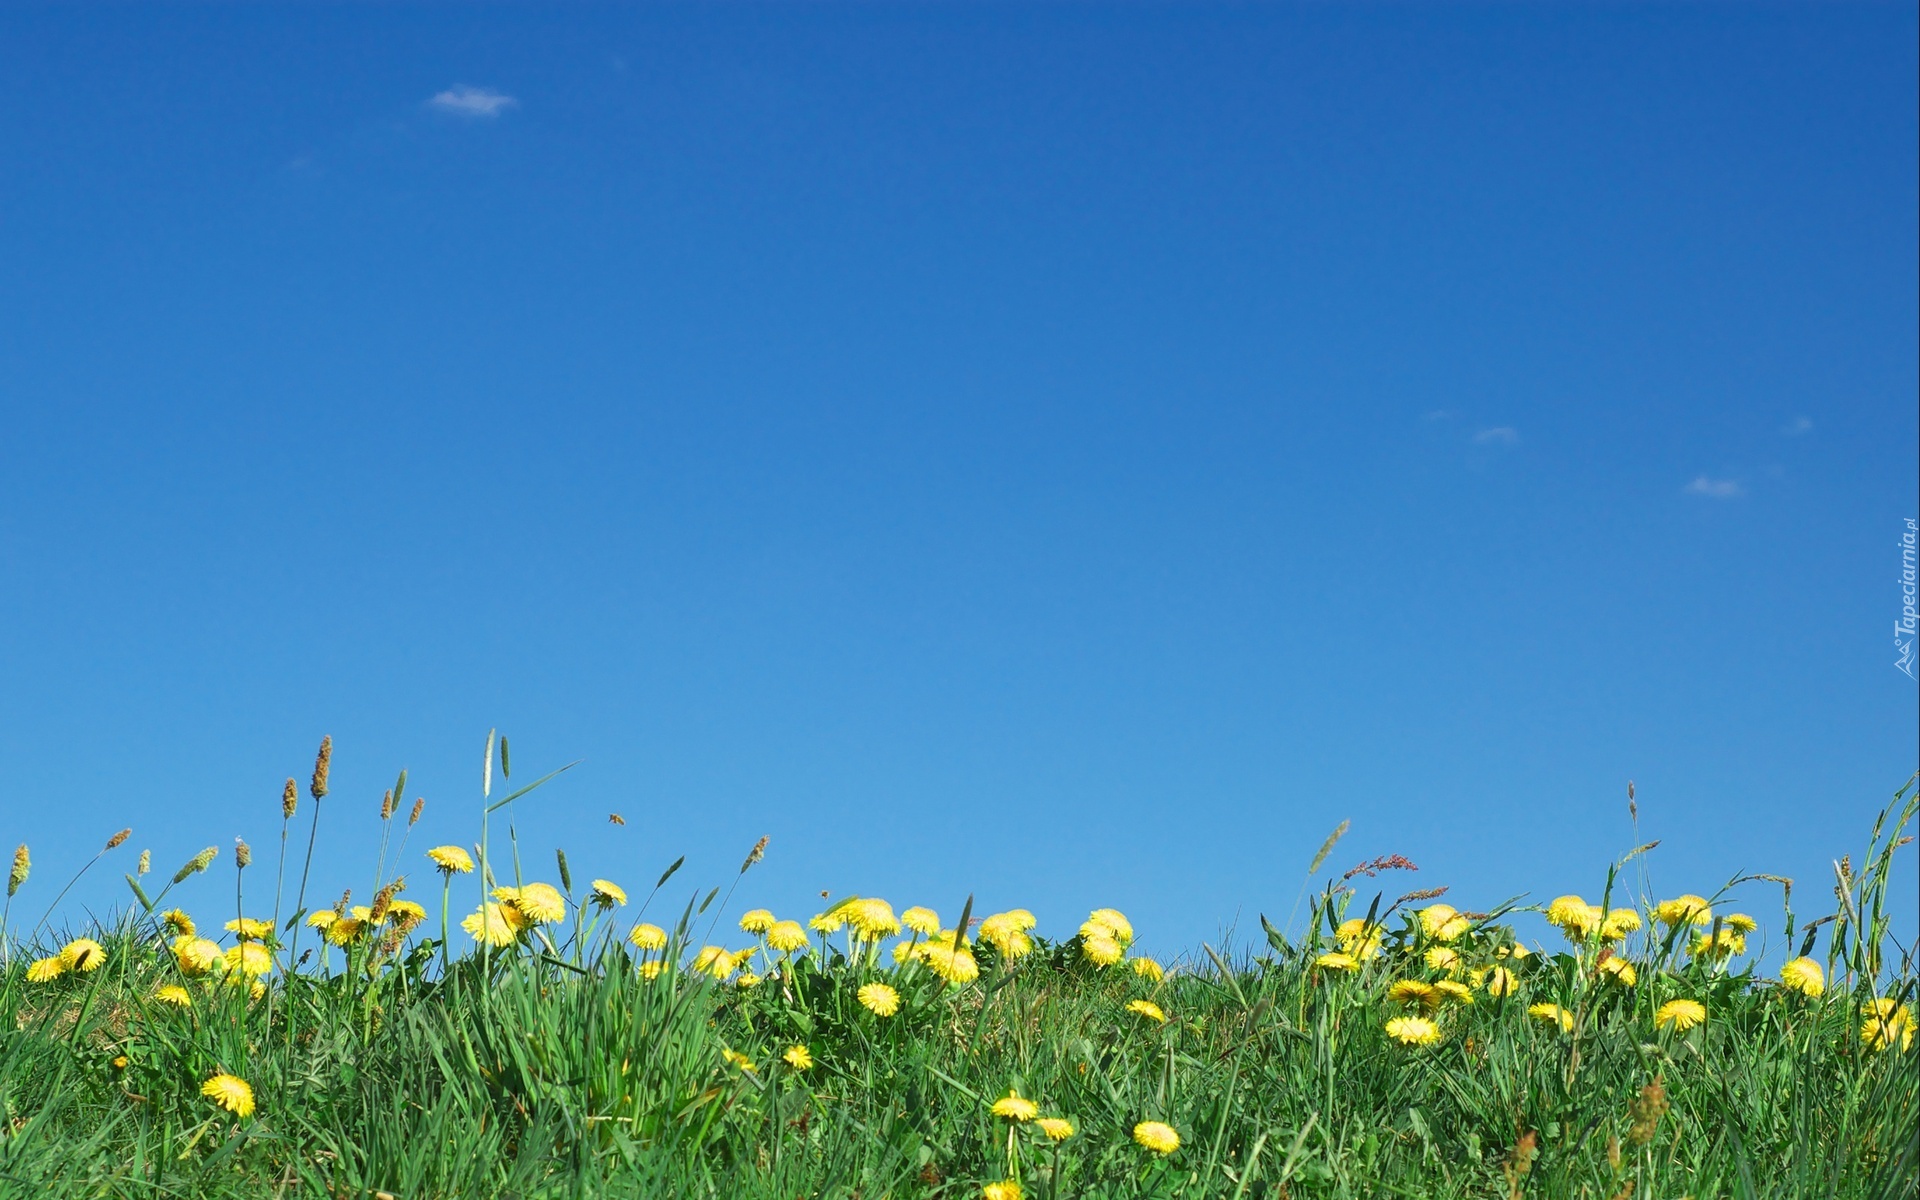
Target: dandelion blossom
x=175, y=995
x=872, y=919
x=879, y=999
x=1883, y=1023
x=490, y=926
x=82, y=954
x=1619, y=970
x=738, y=1060
x=250, y=928
x=1337, y=961
x=787, y=936
x=1057, y=1129
x=1004, y=1189
x=1413, y=1031
x=607, y=893
x=540, y=903
x=648, y=937
x=405, y=915
x=348, y=930
x=1552, y=1014
x=195, y=954
x=715, y=961
x=923, y=921
x=1412, y=991
x=46, y=970
x=248, y=958
x=178, y=923
x=1740, y=923
x=1101, y=949
x=1618, y=924
x=1443, y=958
x=1015, y=1107
x=1443, y=922
x=798, y=1057
x=1358, y=939
x=231, y=1093
x=1804, y=975
x=1574, y=917
x=1458, y=993
x=1148, y=969
x=1501, y=982
x=451, y=859
x=758, y=921
x=1156, y=1136
x=322, y=919
x=1006, y=934
x=1114, y=922
x=955, y=964
x=1684, y=910
x=1681, y=1014
x=831, y=921
x=1147, y=1009
x=652, y=969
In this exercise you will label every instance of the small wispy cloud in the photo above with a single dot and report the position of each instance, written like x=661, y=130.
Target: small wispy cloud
x=465, y=101
x=1442, y=414
x=1718, y=489
x=1796, y=427
x=1499, y=435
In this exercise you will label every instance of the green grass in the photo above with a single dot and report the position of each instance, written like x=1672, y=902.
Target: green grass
x=553, y=1068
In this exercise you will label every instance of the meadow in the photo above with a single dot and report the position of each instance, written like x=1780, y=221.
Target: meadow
x=466, y=1021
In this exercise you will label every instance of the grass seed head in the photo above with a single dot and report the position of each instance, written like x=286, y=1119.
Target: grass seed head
x=242, y=853
x=322, y=765
x=196, y=864
x=22, y=866
x=419, y=806
x=117, y=839
x=289, y=800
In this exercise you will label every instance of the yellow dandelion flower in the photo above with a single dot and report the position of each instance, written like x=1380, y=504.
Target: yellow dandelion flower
x=1884, y=1023
x=1100, y=949
x=322, y=919
x=1574, y=917
x=1006, y=933
x=1443, y=923
x=1618, y=924
x=787, y=936
x=831, y=921
x=652, y=969
x=1456, y=992
x=1514, y=951
x=1501, y=982
x=1057, y=1129
x=120, y=1062
x=231, y=1093
x=405, y=915
x=250, y=928
x=758, y=920
x=46, y=970
x=738, y=1060
x=347, y=930
x=1358, y=939
x=1804, y=975
x=747, y=979
x=648, y=937
x=1147, y=1009
x=1618, y=970
x=871, y=919
x=798, y=1057
x=1149, y=970
x=1004, y=1189
x=715, y=961
x=175, y=995
x=879, y=999
x=1725, y=943
x=1156, y=1136
x=249, y=959
x=923, y=921
x=196, y=954
x=1412, y=991
x=451, y=860
x=1015, y=1107
x=1681, y=1014
x=1413, y=1031
x=1552, y=1014
x=1684, y=910
x=540, y=903
x=82, y=954
x=1114, y=922
x=606, y=893
x=955, y=964
x=491, y=926
x=1337, y=961
x=178, y=923
x=1443, y=958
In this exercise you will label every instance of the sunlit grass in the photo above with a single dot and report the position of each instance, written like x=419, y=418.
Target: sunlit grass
x=477, y=1028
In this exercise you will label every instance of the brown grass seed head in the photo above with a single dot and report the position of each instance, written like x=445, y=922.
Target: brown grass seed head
x=242, y=853
x=419, y=806
x=322, y=764
x=22, y=865
x=118, y=838
x=289, y=800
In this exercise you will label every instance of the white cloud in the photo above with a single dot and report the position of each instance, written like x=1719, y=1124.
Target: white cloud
x=1500, y=435
x=1719, y=489
x=472, y=101
x=1796, y=427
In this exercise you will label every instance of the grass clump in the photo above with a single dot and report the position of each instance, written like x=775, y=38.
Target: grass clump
x=560, y=1044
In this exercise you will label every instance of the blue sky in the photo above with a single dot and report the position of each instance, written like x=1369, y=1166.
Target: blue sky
x=1071, y=454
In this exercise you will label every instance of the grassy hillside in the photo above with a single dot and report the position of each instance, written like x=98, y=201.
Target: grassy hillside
x=569, y=1040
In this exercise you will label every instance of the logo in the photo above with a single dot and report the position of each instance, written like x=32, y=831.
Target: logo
x=1903, y=629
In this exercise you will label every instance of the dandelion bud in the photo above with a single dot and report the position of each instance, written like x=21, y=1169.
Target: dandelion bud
x=566, y=876
x=196, y=864
x=758, y=852
x=21, y=865
x=242, y=853
x=321, y=765
x=114, y=841
x=146, y=861
x=386, y=807
x=289, y=800
x=419, y=806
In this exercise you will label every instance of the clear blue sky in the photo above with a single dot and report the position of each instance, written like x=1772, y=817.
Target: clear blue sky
x=1074, y=454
